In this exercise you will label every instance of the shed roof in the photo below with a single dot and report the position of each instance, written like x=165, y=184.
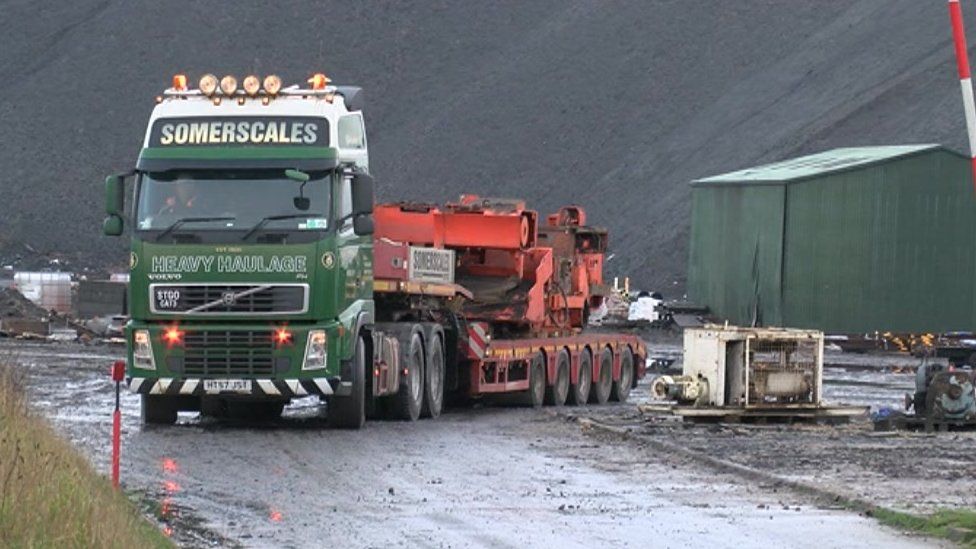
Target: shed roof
x=836, y=160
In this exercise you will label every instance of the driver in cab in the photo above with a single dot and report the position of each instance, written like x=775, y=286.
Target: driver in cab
x=181, y=201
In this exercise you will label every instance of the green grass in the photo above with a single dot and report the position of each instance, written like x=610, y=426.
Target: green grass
x=940, y=524
x=49, y=494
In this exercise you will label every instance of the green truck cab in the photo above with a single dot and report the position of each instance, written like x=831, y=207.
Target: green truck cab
x=251, y=249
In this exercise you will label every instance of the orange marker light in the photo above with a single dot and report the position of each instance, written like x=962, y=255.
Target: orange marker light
x=282, y=336
x=173, y=336
x=179, y=82
x=319, y=81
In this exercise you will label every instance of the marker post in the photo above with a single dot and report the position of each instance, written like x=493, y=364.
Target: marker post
x=118, y=374
x=965, y=80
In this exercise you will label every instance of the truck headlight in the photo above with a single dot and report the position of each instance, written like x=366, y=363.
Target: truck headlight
x=316, y=350
x=142, y=354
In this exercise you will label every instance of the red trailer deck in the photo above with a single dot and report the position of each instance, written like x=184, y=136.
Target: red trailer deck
x=516, y=295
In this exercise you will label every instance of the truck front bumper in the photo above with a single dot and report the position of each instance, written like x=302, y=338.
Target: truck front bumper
x=274, y=388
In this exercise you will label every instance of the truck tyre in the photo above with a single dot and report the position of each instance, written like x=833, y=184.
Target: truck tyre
x=621, y=387
x=434, y=379
x=600, y=393
x=557, y=393
x=158, y=410
x=408, y=400
x=579, y=392
x=349, y=412
x=536, y=394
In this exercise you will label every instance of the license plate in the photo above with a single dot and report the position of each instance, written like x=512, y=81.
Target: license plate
x=227, y=386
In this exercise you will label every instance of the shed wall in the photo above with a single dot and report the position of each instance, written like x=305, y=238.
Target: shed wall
x=736, y=251
x=885, y=247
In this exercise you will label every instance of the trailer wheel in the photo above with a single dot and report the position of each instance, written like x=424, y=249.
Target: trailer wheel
x=410, y=396
x=600, y=393
x=349, y=412
x=557, y=392
x=536, y=394
x=621, y=387
x=434, y=380
x=580, y=391
x=158, y=410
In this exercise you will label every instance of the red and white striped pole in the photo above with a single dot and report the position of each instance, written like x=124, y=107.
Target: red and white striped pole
x=965, y=82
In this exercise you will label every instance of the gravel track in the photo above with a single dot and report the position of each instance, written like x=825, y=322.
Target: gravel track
x=484, y=477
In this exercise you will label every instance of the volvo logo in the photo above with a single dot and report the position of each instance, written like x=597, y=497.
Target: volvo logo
x=328, y=260
x=228, y=298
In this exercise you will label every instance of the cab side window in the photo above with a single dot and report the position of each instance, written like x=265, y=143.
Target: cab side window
x=345, y=202
x=351, y=132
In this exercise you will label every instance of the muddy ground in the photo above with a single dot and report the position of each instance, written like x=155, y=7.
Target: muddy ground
x=484, y=476
x=909, y=471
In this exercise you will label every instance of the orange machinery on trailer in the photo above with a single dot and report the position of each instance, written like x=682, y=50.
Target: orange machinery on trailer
x=519, y=293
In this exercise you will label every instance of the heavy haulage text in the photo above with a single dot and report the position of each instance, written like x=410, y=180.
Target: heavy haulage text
x=229, y=264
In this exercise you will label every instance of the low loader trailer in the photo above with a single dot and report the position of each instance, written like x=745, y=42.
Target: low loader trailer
x=262, y=270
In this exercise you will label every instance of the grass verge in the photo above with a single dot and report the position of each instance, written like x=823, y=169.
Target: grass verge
x=958, y=525
x=49, y=494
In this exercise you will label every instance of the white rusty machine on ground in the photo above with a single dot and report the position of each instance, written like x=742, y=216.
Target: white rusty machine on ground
x=734, y=372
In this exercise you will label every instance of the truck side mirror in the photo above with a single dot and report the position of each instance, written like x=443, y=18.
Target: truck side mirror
x=114, y=204
x=112, y=226
x=362, y=194
x=362, y=225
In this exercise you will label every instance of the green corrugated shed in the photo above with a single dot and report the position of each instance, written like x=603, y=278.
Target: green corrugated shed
x=847, y=241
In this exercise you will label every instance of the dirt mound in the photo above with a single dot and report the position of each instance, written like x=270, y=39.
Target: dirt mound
x=615, y=106
x=13, y=304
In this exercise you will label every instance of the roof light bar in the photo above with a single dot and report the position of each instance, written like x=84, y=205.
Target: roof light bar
x=252, y=86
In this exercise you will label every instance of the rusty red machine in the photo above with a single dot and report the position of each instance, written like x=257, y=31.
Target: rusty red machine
x=510, y=298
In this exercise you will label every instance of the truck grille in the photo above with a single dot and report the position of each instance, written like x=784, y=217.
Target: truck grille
x=235, y=353
x=217, y=299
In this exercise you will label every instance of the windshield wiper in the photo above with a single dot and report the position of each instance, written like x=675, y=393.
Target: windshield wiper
x=179, y=223
x=264, y=220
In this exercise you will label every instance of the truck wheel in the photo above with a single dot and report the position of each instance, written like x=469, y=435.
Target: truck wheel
x=536, y=394
x=600, y=393
x=408, y=400
x=580, y=391
x=621, y=387
x=349, y=412
x=434, y=379
x=557, y=392
x=158, y=410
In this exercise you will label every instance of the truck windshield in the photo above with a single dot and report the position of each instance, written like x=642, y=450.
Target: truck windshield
x=209, y=200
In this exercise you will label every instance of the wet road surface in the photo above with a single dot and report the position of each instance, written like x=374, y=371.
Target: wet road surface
x=483, y=477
